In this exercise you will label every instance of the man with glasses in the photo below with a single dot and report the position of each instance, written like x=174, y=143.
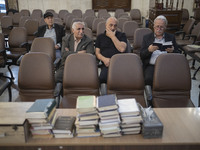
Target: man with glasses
x=77, y=42
x=153, y=46
x=109, y=43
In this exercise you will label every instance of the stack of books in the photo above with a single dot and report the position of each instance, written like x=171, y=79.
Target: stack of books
x=64, y=127
x=87, y=117
x=130, y=116
x=109, y=123
x=41, y=118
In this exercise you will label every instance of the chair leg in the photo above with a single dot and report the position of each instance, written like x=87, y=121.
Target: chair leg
x=10, y=93
x=11, y=74
x=193, y=63
x=194, y=78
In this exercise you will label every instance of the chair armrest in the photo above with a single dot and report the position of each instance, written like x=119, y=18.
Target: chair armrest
x=19, y=60
x=179, y=32
x=149, y=97
x=24, y=45
x=10, y=27
x=35, y=33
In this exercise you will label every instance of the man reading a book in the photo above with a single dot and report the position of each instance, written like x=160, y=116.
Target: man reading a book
x=155, y=44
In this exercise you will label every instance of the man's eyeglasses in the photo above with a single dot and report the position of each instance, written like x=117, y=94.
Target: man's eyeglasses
x=159, y=27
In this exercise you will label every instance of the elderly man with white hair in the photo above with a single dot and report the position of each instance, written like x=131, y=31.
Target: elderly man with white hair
x=77, y=42
x=152, y=47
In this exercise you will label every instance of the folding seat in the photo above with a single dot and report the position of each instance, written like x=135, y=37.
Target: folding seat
x=129, y=28
x=77, y=12
x=171, y=81
x=5, y=81
x=185, y=16
x=62, y=13
x=23, y=20
x=136, y=16
x=88, y=32
x=18, y=45
x=101, y=27
x=36, y=14
x=31, y=27
x=6, y=25
x=121, y=22
x=118, y=11
x=125, y=77
x=88, y=12
x=25, y=12
x=80, y=78
x=138, y=38
x=36, y=77
x=186, y=29
x=16, y=18
x=89, y=21
x=94, y=25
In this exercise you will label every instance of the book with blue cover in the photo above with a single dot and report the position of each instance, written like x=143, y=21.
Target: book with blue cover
x=41, y=108
x=107, y=102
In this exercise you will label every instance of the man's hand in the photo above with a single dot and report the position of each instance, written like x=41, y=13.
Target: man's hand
x=110, y=33
x=170, y=50
x=106, y=61
x=67, y=49
x=57, y=47
x=152, y=48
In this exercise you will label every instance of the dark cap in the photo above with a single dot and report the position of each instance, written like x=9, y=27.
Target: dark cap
x=48, y=14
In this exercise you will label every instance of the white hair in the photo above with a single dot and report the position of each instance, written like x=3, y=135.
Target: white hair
x=161, y=17
x=112, y=18
x=77, y=22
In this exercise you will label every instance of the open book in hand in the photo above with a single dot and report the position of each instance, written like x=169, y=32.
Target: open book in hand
x=163, y=46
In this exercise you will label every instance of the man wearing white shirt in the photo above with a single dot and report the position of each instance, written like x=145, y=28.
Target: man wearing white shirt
x=150, y=49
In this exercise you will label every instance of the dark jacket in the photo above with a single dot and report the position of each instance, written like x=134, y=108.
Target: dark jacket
x=148, y=40
x=60, y=32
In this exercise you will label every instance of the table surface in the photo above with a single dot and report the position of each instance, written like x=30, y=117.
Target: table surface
x=181, y=127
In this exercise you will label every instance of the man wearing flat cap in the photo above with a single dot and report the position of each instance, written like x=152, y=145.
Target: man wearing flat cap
x=52, y=30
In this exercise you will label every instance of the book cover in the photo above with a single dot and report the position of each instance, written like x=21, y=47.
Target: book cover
x=163, y=46
x=86, y=103
x=107, y=102
x=128, y=106
x=41, y=108
x=64, y=124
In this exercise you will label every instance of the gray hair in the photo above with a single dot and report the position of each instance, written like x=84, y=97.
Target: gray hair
x=77, y=22
x=112, y=18
x=161, y=17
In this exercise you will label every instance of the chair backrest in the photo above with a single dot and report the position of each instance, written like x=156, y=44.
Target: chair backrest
x=50, y=10
x=138, y=38
x=62, y=13
x=25, y=12
x=121, y=22
x=88, y=32
x=95, y=23
x=23, y=20
x=118, y=11
x=125, y=77
x=16, y=18
x=171, y=81
x=89, y=20
x=3, y=58
x=188, y=26
x=36, y=14
x=6, y=22
x=77, y=12
x=101, y=27
x=129, y=28
x=88, y=12
x=136, y=15
x=197, y=16
x=196, y=31
x=31, y=27
x=101, y=11
x=17, y=36
x=36, y=77
x=121, y=15
x=45, y=45
x=80, y=78
x=185, y=14
x=58, y=21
